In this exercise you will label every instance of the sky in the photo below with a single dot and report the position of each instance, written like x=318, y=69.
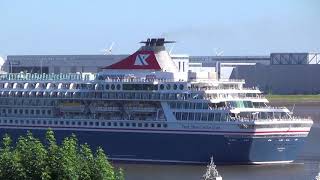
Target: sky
x=200, y=27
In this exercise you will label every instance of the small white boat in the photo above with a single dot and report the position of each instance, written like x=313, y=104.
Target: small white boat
x=211, y=173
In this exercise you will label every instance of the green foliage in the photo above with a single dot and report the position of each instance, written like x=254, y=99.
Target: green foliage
x=28, y=158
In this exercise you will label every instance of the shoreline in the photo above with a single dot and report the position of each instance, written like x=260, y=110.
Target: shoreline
x=294, y=99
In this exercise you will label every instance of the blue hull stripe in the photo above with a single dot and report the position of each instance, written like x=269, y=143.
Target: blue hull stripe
x=155, y=130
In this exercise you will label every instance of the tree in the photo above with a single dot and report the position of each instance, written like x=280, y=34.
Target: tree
x=28, y=158
x=32, y=156
x=10, y=166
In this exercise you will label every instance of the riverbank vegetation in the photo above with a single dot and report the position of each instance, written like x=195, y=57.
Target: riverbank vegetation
x=29, y=158
x=294, y=98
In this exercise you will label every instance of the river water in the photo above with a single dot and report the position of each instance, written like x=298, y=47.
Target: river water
x=306, y=167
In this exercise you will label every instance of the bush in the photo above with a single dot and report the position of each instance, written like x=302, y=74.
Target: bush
x=28, y=158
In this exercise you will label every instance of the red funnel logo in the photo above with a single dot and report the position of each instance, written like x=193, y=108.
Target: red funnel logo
x=141, y=60
x=138, y=60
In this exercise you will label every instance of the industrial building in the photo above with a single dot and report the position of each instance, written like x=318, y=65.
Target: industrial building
x=279, y=73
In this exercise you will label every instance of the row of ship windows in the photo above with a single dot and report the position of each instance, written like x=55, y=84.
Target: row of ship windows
x=188, y=105
x=26, y=111
x=200, y=116
x=114, y=95
x=258, y=126
x=84, y=123
x=141, y=87
x=28, y=102
x=93, y=86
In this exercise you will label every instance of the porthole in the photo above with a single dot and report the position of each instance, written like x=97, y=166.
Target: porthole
x=139, y=125
x=127, y=124
x=181, y=87
x=158, y=125
x=79, y=123
x=103, y=124
x=91, y=123
x=115, y=124
x=109, y=123
x=121, y=124
x=85, y=123
x=145, y=124
x=113, y=86
x=175, y=86
x=152, y=125
x=61, y=122
x=161, y=86
x=134, y=124
x=168, y=86
x=10, y=121
x=73, y=123
x=118, y=86
x=67, y=122
x=107, y=87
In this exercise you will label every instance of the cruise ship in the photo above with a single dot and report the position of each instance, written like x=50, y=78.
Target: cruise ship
x=145, y=109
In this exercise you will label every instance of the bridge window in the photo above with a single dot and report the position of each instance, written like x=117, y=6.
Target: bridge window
x=175, y=86
x=197, y=116
x=168, y=86
x=204, y=117
x=211, y=117
x=217, y=116
x=191, y=116
x=181, y=87
x=184, y=116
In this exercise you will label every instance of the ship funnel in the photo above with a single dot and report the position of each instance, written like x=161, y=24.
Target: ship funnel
x=156, y=42
x=151, y=56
